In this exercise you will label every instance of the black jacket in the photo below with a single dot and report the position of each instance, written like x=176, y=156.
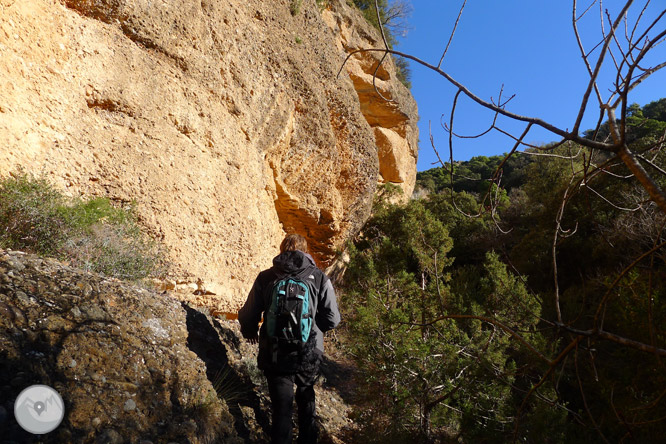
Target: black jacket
x=323, y=301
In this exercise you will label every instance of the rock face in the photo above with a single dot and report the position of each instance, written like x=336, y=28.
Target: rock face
x=118, y=357
x=225, y=122
x=131, y=365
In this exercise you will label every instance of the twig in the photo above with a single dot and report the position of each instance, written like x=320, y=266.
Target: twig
x=455, y=26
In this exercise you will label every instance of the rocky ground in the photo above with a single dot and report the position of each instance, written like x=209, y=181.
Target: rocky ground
x=135, y=365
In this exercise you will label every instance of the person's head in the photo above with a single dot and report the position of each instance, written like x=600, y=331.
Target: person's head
x=294, y=242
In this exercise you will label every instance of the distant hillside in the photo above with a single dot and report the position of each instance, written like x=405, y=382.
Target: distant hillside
x=473, y=175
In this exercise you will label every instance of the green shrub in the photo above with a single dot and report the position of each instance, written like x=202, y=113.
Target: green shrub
x=91, y=234
x=295, y=7
x=31, y=215
x=394, y=22
x=403, y=72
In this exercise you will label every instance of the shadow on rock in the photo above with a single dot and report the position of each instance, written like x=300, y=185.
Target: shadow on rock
x=207, y=339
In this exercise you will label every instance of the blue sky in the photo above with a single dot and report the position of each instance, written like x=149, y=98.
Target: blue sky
x=526, y=45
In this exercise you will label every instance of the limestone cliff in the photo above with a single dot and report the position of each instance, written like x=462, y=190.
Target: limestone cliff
x=226, y=122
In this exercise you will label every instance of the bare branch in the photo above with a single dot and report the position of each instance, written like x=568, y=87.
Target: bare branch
x=446, y=128
x=649, y=28
x=652, y=164
x=532, y=153
x=529, y=145
x=374, y=79
x=381, y=25
x=640, y=79
x=615, y=338
x=515, y=147
x=552, y=364
x=584, y=12
x=595, y=73
x=655, y=192
x=568, y=135
x=494, y=322
x=587, y=186
x=638, y=20
x=604, y=170
x=582, y=394
x=629, y=159
x=558, y=229
x=453, y=32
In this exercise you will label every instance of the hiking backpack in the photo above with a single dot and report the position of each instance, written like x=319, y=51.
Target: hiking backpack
x=289, y=321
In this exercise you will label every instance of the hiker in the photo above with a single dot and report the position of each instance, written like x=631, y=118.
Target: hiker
x=299, y=305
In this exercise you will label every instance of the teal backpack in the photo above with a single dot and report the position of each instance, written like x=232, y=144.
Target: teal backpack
x=289, y=322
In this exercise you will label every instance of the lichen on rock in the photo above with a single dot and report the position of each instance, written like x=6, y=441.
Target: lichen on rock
x=131, y=364
x=115, y=375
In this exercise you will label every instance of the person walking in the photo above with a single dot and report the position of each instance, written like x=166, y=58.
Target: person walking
x=298, y=304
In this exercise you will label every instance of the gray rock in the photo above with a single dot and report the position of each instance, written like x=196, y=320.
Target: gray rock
x=97, y=351
x=109, y=436
x=25, y=300
x=129, y=405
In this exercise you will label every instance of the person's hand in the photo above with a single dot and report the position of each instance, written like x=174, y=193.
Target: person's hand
x=254, y=340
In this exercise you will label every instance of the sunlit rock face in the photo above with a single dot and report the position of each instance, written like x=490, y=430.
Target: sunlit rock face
x=226, y=124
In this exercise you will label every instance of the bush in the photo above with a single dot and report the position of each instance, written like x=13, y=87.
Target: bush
x=295, y=7
x=403, y=72
x=91, y=234
x=394, y=21
x=30, y=216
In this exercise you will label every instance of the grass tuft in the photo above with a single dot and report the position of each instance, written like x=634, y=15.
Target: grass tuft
x=295, y=7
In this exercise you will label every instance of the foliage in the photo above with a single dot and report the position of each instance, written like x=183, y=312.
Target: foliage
x=655, y=110
x=393, y=18
x=323, y=4
x=403, y=71
x=91, y=234
x=473, y=175
x=367, y=8
x=473, y=349
x=31, y=215
x=295, y=7
x=644, y=125
x=426, y=374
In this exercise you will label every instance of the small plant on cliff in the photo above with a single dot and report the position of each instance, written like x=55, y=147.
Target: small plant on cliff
x=393, y=18
x=30, y=216
x=92, y=234
x=295, y=7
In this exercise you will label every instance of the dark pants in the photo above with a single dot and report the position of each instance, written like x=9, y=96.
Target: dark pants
x=281, y=390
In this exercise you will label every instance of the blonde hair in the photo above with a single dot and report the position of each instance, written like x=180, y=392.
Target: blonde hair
x=294, y=242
